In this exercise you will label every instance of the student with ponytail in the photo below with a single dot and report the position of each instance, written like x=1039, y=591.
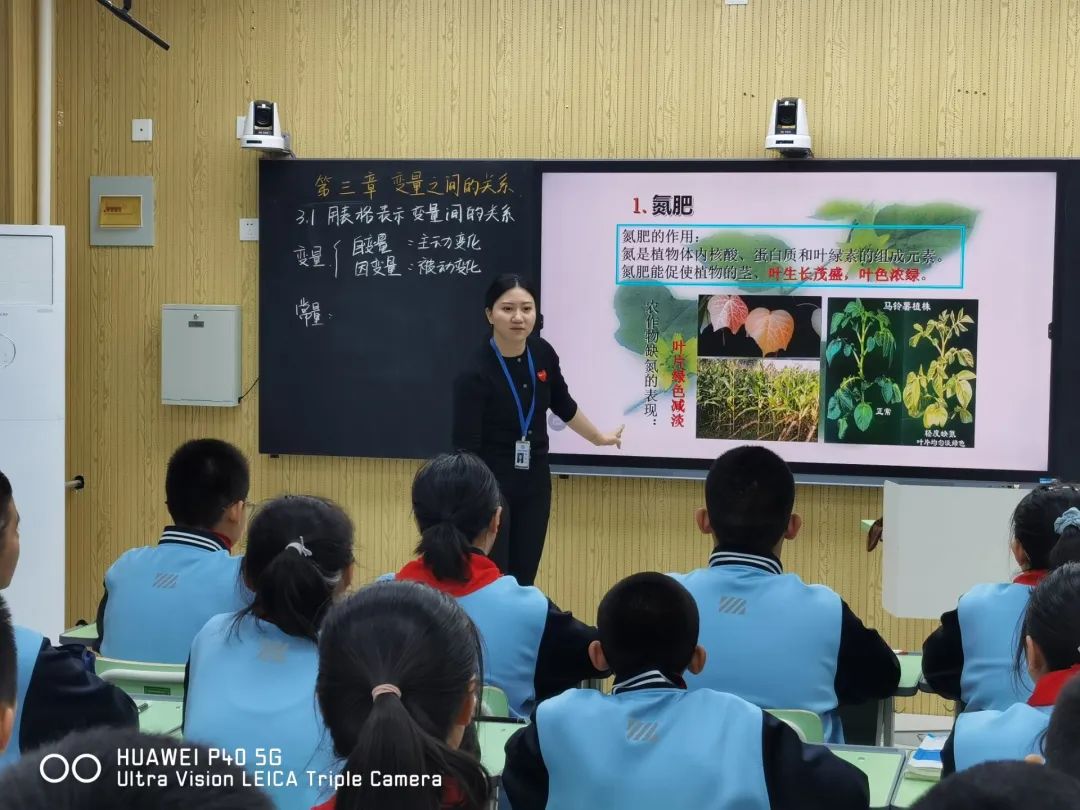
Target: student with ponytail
x=251, y=675
x=1050, y=651
x=399, y=676
x=969, y=658
x=533, y=650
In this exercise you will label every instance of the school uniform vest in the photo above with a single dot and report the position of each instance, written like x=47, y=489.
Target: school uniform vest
x=511, y=620
x=991, y=735
x=771, y=639
x=254, y=689
x=653, y=748
x=160, y=596
x=990, y=617
x=27, y=647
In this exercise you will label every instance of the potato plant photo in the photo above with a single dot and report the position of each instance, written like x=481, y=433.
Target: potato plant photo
x=901, y=372
x=863, y=397
x=940, y=375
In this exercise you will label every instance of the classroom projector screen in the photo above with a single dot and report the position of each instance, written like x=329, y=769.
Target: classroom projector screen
x=846, y=319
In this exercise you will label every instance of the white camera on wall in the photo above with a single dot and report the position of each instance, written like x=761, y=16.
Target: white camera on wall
x=789, y=133
x=262, y=129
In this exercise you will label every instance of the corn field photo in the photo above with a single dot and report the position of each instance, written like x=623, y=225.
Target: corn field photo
x=758, y=400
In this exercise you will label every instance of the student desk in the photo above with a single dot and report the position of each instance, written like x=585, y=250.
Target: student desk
x=882, y=766
x=910, y=790
x=160, y=716
x=910, y=676
x=86, y=635
x=492, y=735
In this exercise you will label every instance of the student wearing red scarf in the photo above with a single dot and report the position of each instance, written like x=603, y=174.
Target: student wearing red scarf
x=969, y=658
x=1051, y=644
x=533, y=650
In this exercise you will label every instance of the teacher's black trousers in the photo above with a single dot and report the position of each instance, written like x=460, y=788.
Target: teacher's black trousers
x=526, y=508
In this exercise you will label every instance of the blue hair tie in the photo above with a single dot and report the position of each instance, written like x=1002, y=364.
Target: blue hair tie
x=1071, y=517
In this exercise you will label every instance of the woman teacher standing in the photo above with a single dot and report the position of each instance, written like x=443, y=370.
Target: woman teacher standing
x=500, y=413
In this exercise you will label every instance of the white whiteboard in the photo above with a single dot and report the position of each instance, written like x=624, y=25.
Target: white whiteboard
x=32, y=419
x=940, y=541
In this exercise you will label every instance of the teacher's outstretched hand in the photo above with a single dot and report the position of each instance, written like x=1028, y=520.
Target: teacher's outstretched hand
x=500, y=413
x=581, y=425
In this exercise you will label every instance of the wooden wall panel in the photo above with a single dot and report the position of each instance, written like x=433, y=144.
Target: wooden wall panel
x=486, y=78
x=6, y=116
x=18, y=77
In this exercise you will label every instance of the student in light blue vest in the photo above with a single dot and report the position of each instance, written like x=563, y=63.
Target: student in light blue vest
x=158, y=597
x=1003, y=786
x=654, y=744
x=399, y=680
x=251, y=677
x=56, y=689
x=772, y=639
x=969, y=658
x=532, y=650
x=1050, y=652
x=121, y=769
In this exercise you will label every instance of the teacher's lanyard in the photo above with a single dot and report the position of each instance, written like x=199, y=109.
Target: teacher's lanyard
x=521, y=448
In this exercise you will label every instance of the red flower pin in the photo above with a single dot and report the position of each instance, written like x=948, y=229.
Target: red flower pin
x=541, y=375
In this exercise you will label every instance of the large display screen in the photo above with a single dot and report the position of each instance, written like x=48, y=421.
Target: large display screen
x=854, y=319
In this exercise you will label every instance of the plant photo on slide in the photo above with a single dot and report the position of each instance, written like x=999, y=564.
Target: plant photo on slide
x=863, y=400
x=781, y=326
x=901, y=372
x=940, y=375
x=758, y=400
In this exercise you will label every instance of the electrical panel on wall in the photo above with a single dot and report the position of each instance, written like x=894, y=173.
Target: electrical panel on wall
x=200, y=354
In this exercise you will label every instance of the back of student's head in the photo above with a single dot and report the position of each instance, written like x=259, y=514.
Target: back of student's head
x=8, y=670
x=1004, y=786
x=1062, y=744
x=1052, y=618
x=749, y=495
x=9, y=533
x=454, y=496
x=204, y=478
x=6, y=499
x=420, y=642
x=648, y=621
x=299, y=550
x=70, y=766
x=1045, y=528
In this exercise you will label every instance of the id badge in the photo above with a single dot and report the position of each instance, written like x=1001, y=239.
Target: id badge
x=521, y=455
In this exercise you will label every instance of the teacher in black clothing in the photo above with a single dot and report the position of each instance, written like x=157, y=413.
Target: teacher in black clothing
x=500, y=413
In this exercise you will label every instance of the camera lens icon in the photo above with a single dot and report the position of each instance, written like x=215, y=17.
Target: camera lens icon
x=85, y=768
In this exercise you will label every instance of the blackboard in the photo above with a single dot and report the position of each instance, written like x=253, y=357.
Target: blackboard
x=371, y=282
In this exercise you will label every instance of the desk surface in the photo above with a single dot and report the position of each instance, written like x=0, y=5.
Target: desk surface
x=80, y=635
x=492, y=736
x=882, y=767
x=160, y=716
x=910, y=674
x=911, y=790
